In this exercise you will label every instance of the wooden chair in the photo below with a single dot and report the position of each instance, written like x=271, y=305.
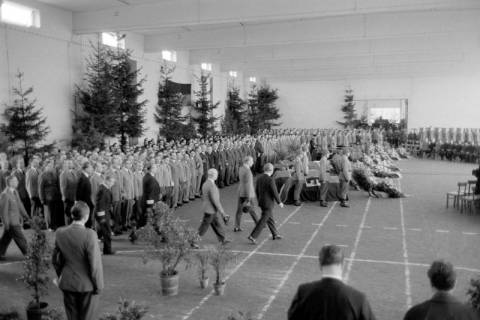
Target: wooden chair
x=469, y=199
x=455, y=195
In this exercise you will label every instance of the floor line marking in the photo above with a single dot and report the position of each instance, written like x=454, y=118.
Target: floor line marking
x=390, y=228
x=442, y=231
x=293, y=222
x=471, y=233
x=341, y=225
x=272, y=298
x=357, y=241
x=415, y=229
x=367, y=227
x=408, y=290
x=399, y=263
x=237, y=267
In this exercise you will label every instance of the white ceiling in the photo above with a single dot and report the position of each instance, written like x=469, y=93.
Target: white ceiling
x=300, y=39
x=92, y=5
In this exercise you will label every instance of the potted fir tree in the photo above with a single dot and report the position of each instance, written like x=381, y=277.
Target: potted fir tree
x=220, y=257
x=127, y=310
x=203, y=263
x=35, y=270
x=169, y=241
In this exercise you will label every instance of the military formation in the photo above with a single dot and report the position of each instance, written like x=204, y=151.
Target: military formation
x=462, y=144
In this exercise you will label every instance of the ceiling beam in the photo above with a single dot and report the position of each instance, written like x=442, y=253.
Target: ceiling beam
x=331, y=29
x=178, y=13
x=464, y=42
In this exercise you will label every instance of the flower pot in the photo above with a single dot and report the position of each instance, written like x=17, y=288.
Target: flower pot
x=169, y=284
x=219, y=288
x=203, y=283
x=35, y=311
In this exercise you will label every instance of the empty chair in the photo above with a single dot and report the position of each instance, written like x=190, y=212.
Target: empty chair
x=468, y=200
x=455, y=195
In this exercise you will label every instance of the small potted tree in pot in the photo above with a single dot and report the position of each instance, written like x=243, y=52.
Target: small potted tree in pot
x=35, y=270
x=220, y=257
x=203, y=263
x=127, y=310
x=169, y=241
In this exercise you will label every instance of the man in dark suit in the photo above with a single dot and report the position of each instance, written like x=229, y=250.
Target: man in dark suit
x=12, y=213
x=103, y=210
x=151, y=192
x=246, y=193
x=211, y=207
x=78, y=264
x=329, y=298
x=84, y=189
x=267, y=194
x=442, y=305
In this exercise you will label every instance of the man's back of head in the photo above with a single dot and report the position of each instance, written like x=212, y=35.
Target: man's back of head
x=329, y=298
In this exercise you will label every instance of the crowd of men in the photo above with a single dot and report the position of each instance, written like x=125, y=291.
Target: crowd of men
x=453, y=144
x=53, y=182
x=109, y=188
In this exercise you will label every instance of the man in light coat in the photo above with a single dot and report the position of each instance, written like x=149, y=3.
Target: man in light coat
x=12, y=213
x=246, y=193
x=211, y=208
x=345, y=176
x=78, y=264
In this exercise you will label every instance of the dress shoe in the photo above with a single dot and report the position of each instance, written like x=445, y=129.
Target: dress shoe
x=2, y=258
x=277, y=237
x=323, y=204
x=226, y=241
x=252, y=240
x=109, y=253
x=344, y=204
x=298, y=203
x=226, y=218
x=195, y=246
x=237, y=230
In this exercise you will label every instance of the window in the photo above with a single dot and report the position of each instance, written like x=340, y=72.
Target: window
x=233, y=74
x=252, y=79
x=20, y=15
x=391, y=114
x=169, y=55
x=113, y=39
x=206, y=66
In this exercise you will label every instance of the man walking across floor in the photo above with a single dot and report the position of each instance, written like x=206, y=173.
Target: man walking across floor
x=323, y=177
x=246, y=193
x=78, y=264
x=12, y=213
x=103, y=212
x=267, y=194
x=84, y=189
x=330, y=297
x=298, y=178
x=344, y=177
x=211, y=207
x=443, y=305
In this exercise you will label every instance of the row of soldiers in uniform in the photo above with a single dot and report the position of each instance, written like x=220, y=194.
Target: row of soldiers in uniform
x=455, y=136
x=461, y=144
x=49, y=187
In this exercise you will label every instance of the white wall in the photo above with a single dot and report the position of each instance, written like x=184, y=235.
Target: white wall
x=53, y=60
x=449, y=101
x=45, y=56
